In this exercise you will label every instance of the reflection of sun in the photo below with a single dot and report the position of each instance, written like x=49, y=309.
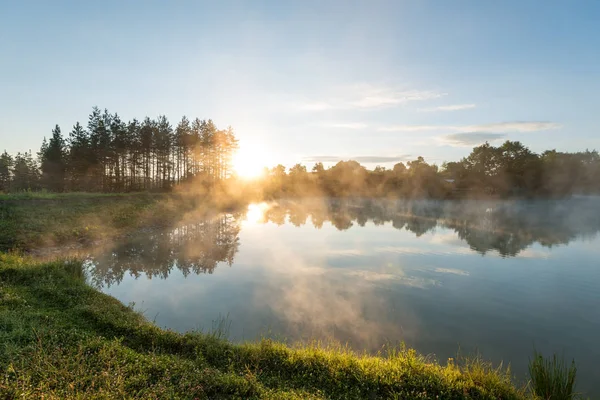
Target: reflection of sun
x=249, y=161
x=256, y=212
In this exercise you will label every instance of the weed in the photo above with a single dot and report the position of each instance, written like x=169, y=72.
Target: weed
x=552, y=378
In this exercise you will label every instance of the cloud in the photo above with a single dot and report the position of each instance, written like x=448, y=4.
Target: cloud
x=375, y=98
x=360, y=159
x=498, y=127
x=454, y=107
x=516, y=126
x=316, y=106
x=349, y=125
x=381, y=159
x=471, y=138
x=411, y=128
x=366, y=96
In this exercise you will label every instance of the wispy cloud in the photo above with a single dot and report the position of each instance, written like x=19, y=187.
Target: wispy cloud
x=316, y=106
x=470, y=138
x=383, y=97
x=451, y=271
x=360, y=159
x=411, y=128
x=453, y=107
x=469, y=135
x=498, y=127
x=366, y=96
x=515, y=126
x=348, y=125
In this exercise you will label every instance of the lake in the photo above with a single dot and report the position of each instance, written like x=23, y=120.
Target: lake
x=494, y=277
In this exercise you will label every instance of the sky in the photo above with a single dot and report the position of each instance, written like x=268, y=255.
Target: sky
x=308, y=81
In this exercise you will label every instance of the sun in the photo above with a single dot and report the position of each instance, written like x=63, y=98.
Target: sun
x=249, y=161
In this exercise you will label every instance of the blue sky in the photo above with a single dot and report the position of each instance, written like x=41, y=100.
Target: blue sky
x=302, y=81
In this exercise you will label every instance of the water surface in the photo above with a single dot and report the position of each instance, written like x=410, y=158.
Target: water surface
x=494, y=277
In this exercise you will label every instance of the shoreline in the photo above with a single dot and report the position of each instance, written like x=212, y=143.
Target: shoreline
x=52, y=316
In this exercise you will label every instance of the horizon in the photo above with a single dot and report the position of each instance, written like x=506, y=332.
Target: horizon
x=303, y=83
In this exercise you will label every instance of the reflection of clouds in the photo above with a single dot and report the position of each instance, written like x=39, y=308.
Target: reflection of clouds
x=342, y=304
x=422, y=251
x=446, y=238
x=401, y=250
x=340, y=309
x=346, y=252
x=451, y=271
x=396, y=278
x=374, y=276
x=532, y=253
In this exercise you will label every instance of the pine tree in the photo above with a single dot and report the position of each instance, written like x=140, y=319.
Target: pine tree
x=25, y=173
x=78, y=159
x=6, y=167
x=134, y=153
x=95, y=124
x=53, y=162
x=163, y=139
x=146, y=133
x=118, y=133
x=180, y=144
x=195, y=147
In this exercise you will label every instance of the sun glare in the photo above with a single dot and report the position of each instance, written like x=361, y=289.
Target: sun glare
x=256, y=212
x=249, y=161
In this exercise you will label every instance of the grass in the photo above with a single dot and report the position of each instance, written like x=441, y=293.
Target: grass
x=54, y=195
x=34, y=220
x=552, y=378
x=62, y=339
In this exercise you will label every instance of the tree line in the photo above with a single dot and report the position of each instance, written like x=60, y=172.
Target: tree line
x=510, y=169
x=111, y=155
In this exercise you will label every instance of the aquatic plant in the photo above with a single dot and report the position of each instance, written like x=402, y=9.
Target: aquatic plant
x=552, y=378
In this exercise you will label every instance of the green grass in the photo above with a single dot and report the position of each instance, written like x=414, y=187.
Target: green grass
x=67, y=195
x=36, y=220
x=552, y=378
x=60, y=338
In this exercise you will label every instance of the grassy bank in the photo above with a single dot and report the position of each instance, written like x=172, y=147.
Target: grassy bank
x=33, y=220
x=60, y=338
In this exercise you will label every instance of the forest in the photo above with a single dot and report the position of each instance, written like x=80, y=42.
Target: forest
x=110, y=155
x=509, y=170
x=116, y=156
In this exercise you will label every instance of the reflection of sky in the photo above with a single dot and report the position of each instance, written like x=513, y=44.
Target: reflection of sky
x=374, y=285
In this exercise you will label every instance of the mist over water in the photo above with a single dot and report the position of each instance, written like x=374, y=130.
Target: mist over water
x=498, y=277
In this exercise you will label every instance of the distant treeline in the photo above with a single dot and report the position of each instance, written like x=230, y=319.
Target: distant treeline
x=508, y=170
x=116, y=156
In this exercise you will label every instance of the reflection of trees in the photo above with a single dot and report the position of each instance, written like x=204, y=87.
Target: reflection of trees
x=191, y=248
x=507, y=227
